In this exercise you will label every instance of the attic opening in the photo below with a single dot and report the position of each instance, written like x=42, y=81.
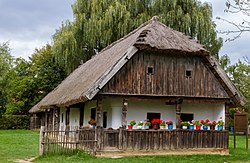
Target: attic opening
x=150, y=70
x=188, y=73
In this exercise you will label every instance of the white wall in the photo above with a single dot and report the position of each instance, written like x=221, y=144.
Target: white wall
x=62, y=115
x=204, y=111
x=137, y=110
x=74, y=118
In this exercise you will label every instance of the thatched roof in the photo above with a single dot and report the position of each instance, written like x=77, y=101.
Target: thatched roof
x=36, y=109
x=86, y=81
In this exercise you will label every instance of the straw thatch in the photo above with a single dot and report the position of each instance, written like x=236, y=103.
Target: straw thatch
x=86, y=81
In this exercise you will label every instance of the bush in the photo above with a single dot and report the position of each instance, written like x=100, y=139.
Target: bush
x=14, y=122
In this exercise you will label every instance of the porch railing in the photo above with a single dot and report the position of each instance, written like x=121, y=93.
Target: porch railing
x=97, y=140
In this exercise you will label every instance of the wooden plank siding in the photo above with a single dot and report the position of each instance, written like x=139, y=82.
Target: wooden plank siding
x=168, y=77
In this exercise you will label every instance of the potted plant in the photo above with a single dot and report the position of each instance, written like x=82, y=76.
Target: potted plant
x=191, y=125
x=140, y=124
x=156, y=123
x=231, y=124
x=205, y=124
x=170, y=125
x=197, y=125
x=163, y=125
x=220, y=124
x=212, y=125
x=184, y=124
x=147, y=124
x=132, y=123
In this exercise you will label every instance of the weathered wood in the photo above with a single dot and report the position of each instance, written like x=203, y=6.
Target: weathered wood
x=178, y=113
x=99, y=112
x=41, y=148
x=124, y=113
x=134, y=79
x=226, y=117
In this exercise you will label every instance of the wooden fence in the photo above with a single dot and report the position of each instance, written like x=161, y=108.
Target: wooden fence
x=98, y=140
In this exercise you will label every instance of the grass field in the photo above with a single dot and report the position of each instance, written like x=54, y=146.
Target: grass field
x=18, y=144
x=23, y=144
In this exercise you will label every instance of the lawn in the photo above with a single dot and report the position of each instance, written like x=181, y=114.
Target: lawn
x=18, y=144
x=23, y=144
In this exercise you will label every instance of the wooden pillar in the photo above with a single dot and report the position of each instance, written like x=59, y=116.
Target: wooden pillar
x=226, y=117
x=124, y=113
x=46, y=119
x=178, y=113
x=41, y=147
x=99, y=113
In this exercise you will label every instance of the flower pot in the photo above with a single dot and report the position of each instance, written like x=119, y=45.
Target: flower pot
x=191, y=127
x=156, y=126
x=212, y=128
x=170, y=127
x=220, y=128
x=231, y=128
x=198, y=127
x=162, y=127
x=139, y=127
x=205, y=127
x=130, y=127
x=184, y=127
x=146, y=127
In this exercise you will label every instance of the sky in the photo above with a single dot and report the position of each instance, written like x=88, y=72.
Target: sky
x=30, y=24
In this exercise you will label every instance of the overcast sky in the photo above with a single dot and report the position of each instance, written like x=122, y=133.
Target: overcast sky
x=30, y=24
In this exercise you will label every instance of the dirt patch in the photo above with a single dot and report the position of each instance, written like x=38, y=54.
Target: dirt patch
x=25, y=161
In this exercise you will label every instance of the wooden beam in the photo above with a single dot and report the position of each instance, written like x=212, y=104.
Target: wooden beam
x=99, y=113
x=226, y=117
x=178, y=112
x=124, y=113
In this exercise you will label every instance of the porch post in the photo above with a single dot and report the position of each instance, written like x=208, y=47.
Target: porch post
x=99, y=112
x=46, y=119
x=124, y=113
x=226, y=117
x=178, y=112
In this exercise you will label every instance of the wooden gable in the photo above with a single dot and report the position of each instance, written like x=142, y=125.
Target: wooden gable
x=156, y=74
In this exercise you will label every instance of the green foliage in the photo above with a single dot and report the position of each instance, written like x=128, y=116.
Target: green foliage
x=14, y=122
x=5, y=65
x=100, y=22
x=30, y=81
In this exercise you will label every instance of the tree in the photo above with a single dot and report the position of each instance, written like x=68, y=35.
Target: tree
x=30, y=81
x=5, y=66
x=239, y=73
x=98, y=23
x=240, y=7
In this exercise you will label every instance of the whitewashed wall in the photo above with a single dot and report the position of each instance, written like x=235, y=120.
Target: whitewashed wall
x=137, y=110
x=74, y=118
x=62, y=117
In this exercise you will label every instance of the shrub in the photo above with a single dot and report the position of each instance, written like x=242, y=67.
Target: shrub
x=15, y=122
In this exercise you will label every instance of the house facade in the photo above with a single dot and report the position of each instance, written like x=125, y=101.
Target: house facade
x=153, y=72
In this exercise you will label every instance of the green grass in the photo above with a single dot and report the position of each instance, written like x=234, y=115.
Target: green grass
x=23, y=144
x=18, y=144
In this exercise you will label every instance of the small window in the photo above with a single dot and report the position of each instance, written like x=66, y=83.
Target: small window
x=187, y=117
x=150, y=70
x=188, y=73
x=93, y=113
x=151, y=116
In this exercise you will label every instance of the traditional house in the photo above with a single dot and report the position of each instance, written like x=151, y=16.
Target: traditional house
x=153, y=72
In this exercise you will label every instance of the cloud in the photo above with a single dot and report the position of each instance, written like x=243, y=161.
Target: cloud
x=235, y=49
x=30, y=24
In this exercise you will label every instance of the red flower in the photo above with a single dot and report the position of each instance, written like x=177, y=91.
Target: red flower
x=156, y=121
x=202, y=121
x=207, y=121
